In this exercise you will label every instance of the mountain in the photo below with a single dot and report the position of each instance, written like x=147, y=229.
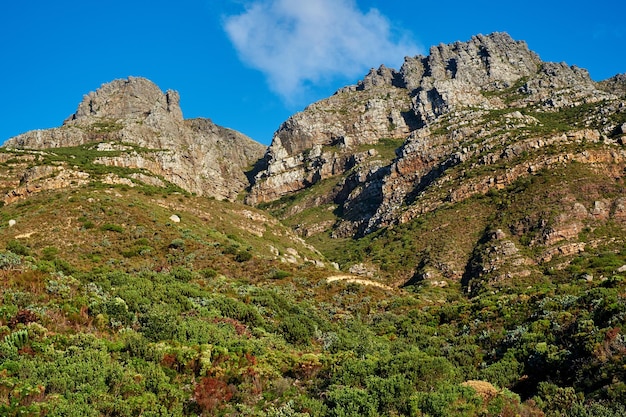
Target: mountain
x=443, y=239
x=398, y=135
x=195, y=154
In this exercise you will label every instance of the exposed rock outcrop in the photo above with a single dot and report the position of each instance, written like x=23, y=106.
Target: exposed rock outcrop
x=195, y=154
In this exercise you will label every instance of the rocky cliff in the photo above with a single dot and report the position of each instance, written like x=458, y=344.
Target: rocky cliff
x=468, y=118
x=196, y=155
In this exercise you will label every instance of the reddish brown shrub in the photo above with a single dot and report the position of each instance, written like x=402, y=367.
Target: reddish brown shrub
x=24, y=317
x=211, y=393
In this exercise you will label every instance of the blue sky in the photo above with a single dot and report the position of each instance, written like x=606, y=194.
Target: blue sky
x=250, y=64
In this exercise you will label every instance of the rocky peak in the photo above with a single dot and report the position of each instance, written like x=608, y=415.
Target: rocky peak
x=381, y=77
x=480, y=61
x=389, y=104
x=615, y=84
x=196, y=155
x=454, y=75
x=132, y=98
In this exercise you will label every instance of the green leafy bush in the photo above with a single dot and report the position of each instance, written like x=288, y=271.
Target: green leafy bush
x=108, y=227
x=243, y=256
x=17, y=248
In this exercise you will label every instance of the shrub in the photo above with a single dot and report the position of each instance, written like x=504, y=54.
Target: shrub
x=351, y=402
x=230, y=249
x=88, y=224
x=181, y=274
x=10, y=261
x=17, y=248
x=447, y=400
x=159, y=324
x=177, y=244
x=297, y=329
x=238, y=310
x=16, y=339
x=62, y=265
x=243, y=256
x=49, y=253
x=208, y=273
x=503, y=373
x=391, y=393
x=22, y=316
x=112, y=228
x=212, y=393
x=278, y=274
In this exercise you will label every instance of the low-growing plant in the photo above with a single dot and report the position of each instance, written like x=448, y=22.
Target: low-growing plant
x=108, y=227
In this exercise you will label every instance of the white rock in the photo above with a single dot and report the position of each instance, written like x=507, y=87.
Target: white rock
x=175, y=218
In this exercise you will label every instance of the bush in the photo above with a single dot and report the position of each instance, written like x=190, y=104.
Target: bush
x=112, y=228
x=17, y=248
x=181, y=274
x=237, y=310
x=212, y=393
x=159, y=324
x=391, y=393
x=243, y=256
x=177, y=244
x=49, y=253
x=448, y=400
x=351, y=402
x=88, y=224
x=503, y=373
x=230, y=249
x=297, y=329
x=208, y=273
x=278, y=274
x=10, y=261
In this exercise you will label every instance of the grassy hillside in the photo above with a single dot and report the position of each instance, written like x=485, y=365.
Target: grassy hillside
x=127, y=300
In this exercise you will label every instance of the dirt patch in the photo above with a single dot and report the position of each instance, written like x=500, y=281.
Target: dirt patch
x=354, y=279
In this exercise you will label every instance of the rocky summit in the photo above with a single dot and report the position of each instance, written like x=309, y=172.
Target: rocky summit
x=195, y=155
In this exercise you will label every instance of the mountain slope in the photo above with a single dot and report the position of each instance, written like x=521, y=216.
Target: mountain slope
x=487, y=119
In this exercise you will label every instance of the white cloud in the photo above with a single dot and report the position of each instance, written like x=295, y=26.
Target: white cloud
x=296, y=43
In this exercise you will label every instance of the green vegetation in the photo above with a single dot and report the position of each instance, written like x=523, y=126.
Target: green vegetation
x=196, y=319
x=386, y=148
x=174, y=343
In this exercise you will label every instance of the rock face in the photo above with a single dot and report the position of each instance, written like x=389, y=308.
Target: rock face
x=195, y=154
x=454, y=118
